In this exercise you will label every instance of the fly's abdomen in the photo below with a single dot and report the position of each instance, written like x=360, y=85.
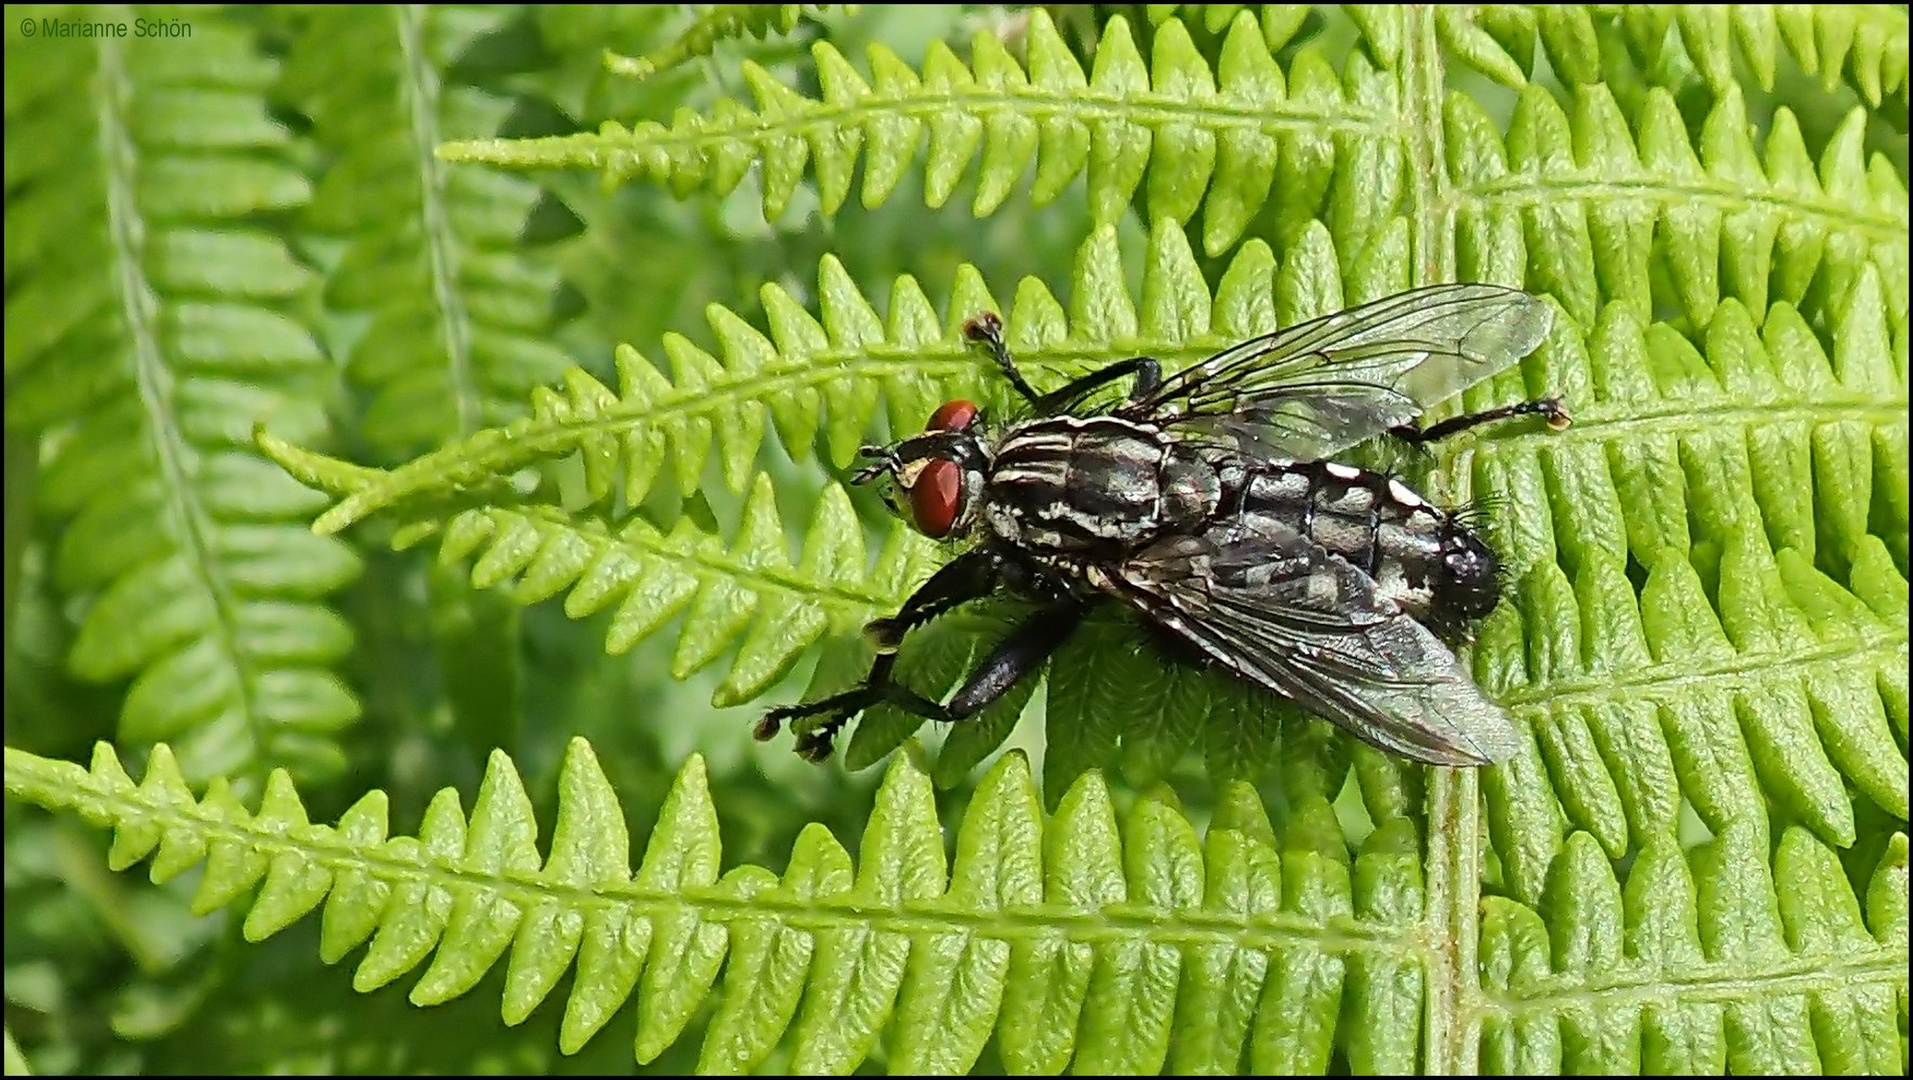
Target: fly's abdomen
x=1422, y=558
x=1095, y=487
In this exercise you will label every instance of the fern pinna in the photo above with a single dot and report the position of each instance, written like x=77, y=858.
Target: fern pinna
x=1697, y=862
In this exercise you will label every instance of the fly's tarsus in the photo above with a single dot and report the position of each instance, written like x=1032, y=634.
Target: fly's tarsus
x=1550, y=409
x=985, y=329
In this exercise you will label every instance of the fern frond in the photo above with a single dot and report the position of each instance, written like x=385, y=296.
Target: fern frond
x=1224, y=139
x=1075, y=941
x=1590, y=207
x=810, y=374
x=457, y=320
x=1040, y=930
x=1672, y=636
x=718, y=22
x=748, y=589
x=848, y=361
x=147, y=333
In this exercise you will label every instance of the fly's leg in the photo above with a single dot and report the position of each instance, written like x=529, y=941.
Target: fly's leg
x=1015, y=657
x=987, y=330
x=1147, y=369
x=970, y=575
x=815, y=744
x=1550, y=408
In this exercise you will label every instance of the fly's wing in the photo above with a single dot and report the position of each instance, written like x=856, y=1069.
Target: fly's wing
x=1271, y=605
x=1317, y=388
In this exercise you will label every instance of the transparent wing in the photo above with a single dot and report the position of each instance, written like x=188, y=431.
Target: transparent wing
x=1317, y=388
x=1269, y=604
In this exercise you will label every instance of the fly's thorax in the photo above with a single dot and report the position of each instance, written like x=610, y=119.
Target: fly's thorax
x=1423, y=558
x=1094, y=486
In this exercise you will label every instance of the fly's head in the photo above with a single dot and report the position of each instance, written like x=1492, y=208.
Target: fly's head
x=937, y=473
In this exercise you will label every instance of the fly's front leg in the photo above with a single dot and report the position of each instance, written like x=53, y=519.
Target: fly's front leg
x=967, y=577
x=1014, y=658
x=987, y=330
x=1147, y=369
x=815, y=744
x=1551, y=409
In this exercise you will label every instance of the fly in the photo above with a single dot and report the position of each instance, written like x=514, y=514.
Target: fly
x=1209, y=505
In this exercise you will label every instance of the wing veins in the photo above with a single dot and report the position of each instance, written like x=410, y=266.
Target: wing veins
x=1347, y=654
x=1359, y=371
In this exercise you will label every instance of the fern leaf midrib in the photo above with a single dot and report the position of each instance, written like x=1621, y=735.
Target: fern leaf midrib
x=653, y=544
x=1143, y=110
x=1036, y=103
x=1552, y=190
x=1876, y=646
x=1454, y=839
x=1424, y=143
x=153, y=380
x=1874, y=411
x=1784, y=974
x=423, y=101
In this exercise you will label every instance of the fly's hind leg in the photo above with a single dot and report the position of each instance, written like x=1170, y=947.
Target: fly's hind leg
x=1550, y=409
x=1014, y=658
x=986, y=330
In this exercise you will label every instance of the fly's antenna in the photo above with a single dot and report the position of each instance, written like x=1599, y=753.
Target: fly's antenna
x=886, y=463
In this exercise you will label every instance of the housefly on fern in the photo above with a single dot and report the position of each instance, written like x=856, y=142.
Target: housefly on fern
x=1207, y=503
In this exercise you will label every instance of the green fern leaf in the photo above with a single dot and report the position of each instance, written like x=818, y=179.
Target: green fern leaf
x=720, y=22
x=456, y=327
x=1076, y=941
x=746, y=593
x=1167, y=119
x=148, y=331
x=1696, y=863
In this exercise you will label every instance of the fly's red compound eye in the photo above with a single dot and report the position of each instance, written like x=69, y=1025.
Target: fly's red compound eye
x=955, y=415
x=933, y=498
